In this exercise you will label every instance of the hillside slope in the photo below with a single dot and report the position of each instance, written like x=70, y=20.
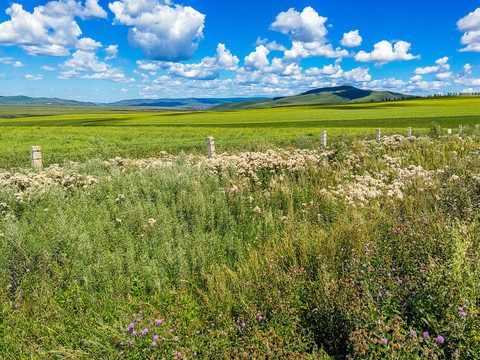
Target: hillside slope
x=26, y=100
x=181, y=103
x=345, y=94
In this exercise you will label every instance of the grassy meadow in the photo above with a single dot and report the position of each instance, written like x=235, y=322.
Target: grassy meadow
x=84, y=132
x=365, y=249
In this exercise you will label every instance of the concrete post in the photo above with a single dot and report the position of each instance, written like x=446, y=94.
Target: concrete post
x=36, y=156
x=210, y=146
x=323, y=139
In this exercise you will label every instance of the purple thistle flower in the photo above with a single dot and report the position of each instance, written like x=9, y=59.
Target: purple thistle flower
x=154, y=343
x=175, y=338
x=463, y=314
x=440, y=339
x=413, y=333
x=385, y=341
x=163, y=339
x=158, y=321
x=155, y=337
x=425, y=334
x=134, y=333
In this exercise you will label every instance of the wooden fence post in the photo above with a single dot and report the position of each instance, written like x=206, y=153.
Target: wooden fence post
x=378, y=134
x=409, y=131
x=460, y=129
x=323, y=139
x=36, y=156
x=210, y=146
x=449, y=131
x=476, y=126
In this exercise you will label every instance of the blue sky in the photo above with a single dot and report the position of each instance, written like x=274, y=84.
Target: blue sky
x=108, y=50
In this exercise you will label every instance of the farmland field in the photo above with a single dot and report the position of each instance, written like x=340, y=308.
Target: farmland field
x=362, y=250
x=83, y=132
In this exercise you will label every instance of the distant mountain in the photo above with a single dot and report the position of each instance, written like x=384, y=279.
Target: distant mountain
x=344, y=94
x=183, y=103
x=25, y=100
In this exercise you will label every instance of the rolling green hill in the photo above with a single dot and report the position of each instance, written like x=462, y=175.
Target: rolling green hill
x=181, y=103
x=345, y=94
x=26, y=100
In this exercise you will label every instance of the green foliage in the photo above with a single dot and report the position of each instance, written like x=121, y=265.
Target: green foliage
x=272, y=264
x=72, y=134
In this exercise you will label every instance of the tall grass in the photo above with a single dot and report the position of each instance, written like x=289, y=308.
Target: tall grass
x=276, y=264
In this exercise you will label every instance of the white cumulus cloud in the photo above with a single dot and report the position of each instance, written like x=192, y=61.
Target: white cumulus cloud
x=85, y=64
x=425, y=70
x=10, y=61
x=50, y=29
x=351, y=39
x=111, y=51
x=336, y=72
x=470, y=25
x=208, y=68
x=441, y=69
x=383, y=52
x=30, y=77
x=306, y=26
x=257, y=59
x=301, y=50
x=163, y=31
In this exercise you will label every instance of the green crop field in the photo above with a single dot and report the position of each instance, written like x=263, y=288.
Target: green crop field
x=78, y=133
x=362, y=250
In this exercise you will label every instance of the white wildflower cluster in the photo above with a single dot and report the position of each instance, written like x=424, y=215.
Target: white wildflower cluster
x=54, y=174
x=166, y=160
x=397, y=139
x=246, y=163
x=389, y=184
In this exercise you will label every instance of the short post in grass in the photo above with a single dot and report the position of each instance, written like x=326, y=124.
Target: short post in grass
x=36, y=156
x=449, y=131
x=210, y=146
x=460, y=129
x=409, y=131
x=323, y=139
x=379, y=132
x=476, y=126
